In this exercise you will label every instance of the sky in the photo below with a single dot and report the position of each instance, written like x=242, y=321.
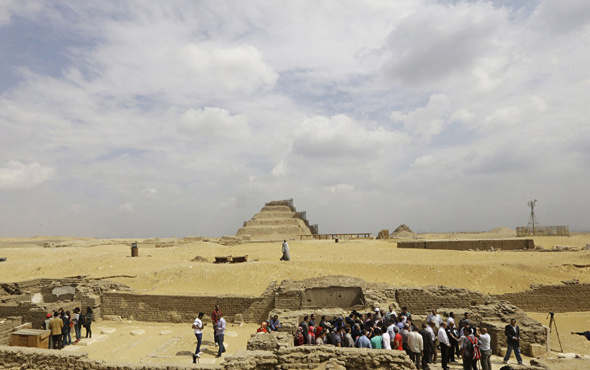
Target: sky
x=175, y=118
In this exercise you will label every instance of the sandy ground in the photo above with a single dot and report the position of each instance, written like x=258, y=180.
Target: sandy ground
x=566, y=324
x=171, y=271
x=162, y=343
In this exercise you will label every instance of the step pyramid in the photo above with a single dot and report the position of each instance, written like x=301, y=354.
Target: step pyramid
x=277, y=220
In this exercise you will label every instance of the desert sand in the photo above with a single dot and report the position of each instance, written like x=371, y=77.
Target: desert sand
x=172, y=271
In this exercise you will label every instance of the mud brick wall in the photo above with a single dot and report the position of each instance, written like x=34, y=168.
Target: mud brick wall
x=161, y=308
x=290, y=300
x=421, y=300
x=260, y=308
x=33, y=358
x=463, y=245
x=6, y=326
x=28, y=313
x=551, y=298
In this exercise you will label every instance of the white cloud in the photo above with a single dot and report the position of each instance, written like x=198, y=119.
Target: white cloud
x=149, y=192
x=126, y=207
x=363, y=104
x=21, y=176
x=212, y=122
x=429, y=120
x=441, y=40
x=239, y=69
x=561, y=17
x=340, y=137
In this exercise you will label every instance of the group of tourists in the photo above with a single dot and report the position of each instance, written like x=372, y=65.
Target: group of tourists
x=390, y=330
x=219, y=326
x=61, y=323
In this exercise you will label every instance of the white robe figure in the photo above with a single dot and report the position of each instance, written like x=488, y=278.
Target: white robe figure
x=286, y=256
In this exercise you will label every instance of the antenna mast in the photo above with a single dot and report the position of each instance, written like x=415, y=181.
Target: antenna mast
x=533, y=219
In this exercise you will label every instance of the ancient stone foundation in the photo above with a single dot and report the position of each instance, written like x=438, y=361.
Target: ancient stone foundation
x=45, y=359
x=333, y=296
x=463, y=245
x=327, y=357
x=570, y=297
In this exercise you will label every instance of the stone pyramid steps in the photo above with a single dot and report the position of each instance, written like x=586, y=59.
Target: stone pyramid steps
x=277, y=220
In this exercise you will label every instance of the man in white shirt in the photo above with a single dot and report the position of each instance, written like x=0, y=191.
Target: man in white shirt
x=445, y=344
x=434, y=316
x=415, y=347
x=451, y=318
x=220, y=334
x=386, y=340
x=198, y=327
x=485, y=348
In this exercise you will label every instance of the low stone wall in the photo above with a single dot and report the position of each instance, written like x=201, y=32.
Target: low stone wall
x=551, y=298
x=33, y=358
x=28, y=313
x=6, y=326
x=463, y=245
x=327, y=357
x=162, y=308
x=423, y=300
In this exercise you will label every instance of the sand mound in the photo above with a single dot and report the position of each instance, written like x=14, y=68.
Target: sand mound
x=403, y=229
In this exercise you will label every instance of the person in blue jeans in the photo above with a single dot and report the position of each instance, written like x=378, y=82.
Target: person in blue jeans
x=220, y=334
x=512, y=332
x=66, y=330
x=198, y=327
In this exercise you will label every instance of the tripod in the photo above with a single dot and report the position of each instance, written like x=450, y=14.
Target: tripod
x=553, y=323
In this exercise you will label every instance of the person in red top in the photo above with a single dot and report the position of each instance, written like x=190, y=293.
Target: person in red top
x=215, y=317
x=263, y=328
x=397, y=341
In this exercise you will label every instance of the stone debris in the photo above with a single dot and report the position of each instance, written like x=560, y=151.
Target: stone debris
x=199, y=259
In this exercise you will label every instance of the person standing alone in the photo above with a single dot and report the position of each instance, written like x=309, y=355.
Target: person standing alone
x=286, y=256
x=512, y=332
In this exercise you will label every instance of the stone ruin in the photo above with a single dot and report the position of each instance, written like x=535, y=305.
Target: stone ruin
x=277, y=220
x=337, y=296
x=332, y=296
x=31, y=300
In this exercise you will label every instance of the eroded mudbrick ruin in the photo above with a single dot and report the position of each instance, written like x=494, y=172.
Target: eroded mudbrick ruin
x=332, y=296
x=277, y=220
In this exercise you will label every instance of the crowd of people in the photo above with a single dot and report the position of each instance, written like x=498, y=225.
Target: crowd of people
x=61, y=322
x=462, y=341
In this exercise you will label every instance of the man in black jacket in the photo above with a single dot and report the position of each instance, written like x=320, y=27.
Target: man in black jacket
x=512, y=332
x=428, y=346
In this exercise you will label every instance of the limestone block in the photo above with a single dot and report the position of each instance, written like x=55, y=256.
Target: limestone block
x=137, y=332
x=536, y=350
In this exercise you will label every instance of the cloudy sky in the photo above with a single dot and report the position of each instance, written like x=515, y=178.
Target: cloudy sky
x=174, y=118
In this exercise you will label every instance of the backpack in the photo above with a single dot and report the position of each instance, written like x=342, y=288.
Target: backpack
x=81, y=319
x=475, y=352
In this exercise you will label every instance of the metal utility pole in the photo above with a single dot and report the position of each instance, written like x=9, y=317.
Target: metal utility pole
x=533, y=219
